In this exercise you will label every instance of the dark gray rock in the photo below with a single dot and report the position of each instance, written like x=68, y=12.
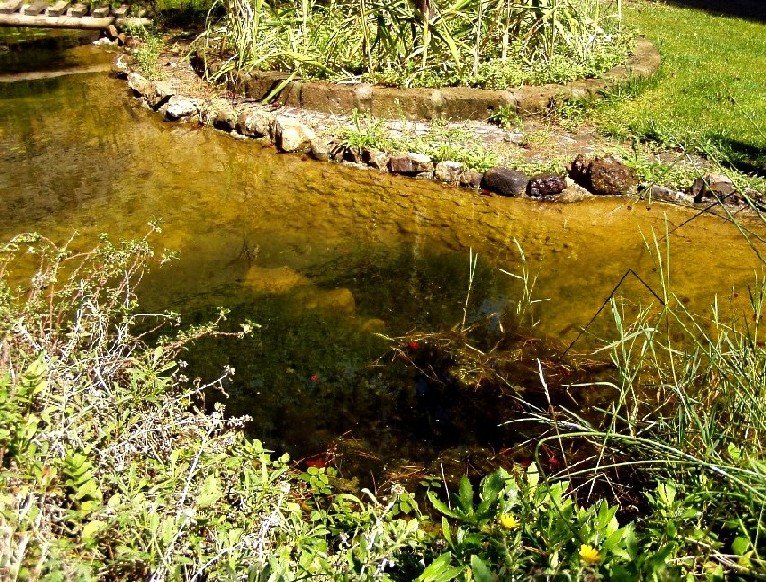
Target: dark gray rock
x=505, y=181
x=546, y=185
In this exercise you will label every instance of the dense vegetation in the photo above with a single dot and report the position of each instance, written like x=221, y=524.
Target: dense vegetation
x=497, y=44
x=111, y=470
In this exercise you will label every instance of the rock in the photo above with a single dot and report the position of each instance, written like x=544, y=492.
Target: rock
x=273, y=281
x=178, y=107
x=606, y=176
x=449, y=172
x=112, y=32
x=122, y=38
x=471, y=179
x=255, y=123
x=375, y=159
x=339, y=301
x=161, y=92
x=505, y=181
x=225, y=118
x=573, y=192
x=353, y=155
x=410, y=164
x=337, y=148
x=320, y=151
x=546, y=185
x=712, y=187
x=291, y=136
x=139, y=84
x=121, y=66
x=668, y=195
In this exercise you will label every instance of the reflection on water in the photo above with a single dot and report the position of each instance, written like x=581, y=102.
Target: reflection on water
x=326, y=258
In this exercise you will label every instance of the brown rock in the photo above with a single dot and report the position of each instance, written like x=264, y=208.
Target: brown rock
x=410, y=164
x=375, y=159
x=291, y=136
x=605, y=176
x=712, y=187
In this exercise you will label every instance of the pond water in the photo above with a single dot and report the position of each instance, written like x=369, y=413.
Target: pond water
x=327, y=259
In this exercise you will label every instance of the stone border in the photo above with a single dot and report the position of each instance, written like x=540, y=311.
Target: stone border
x=282, y=126
x=456, y=103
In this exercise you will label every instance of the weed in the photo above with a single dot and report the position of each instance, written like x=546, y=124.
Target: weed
x=506, y=116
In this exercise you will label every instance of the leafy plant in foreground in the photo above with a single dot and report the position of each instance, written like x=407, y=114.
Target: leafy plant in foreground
x=522, y=524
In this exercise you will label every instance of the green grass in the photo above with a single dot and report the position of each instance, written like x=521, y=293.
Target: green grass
x=708, y=95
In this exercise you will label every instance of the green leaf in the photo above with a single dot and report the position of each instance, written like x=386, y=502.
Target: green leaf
x=481, y=572
x=442, y=507
x=211, y=492
x=465, y=496
x=740, y=545
x=91, y=529
x=446, y=532
x=440, y=570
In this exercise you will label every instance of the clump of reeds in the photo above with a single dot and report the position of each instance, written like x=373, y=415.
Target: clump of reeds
x=484, y=43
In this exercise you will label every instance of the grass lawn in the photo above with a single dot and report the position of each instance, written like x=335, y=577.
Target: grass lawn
x=710, y=93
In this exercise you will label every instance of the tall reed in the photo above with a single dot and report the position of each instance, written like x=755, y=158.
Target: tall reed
x=451, y=41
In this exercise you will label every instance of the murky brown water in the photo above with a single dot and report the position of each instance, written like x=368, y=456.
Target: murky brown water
x=323, y=256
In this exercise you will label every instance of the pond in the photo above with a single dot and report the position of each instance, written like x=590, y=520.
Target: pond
x=330, y=261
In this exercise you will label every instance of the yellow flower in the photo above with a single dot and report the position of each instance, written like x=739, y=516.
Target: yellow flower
x=589, y=554
x=508, y=521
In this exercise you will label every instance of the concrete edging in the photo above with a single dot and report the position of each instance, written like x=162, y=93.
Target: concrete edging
x=446, y=103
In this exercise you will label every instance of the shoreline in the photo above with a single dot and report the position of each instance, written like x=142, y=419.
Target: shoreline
x=532, y=159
